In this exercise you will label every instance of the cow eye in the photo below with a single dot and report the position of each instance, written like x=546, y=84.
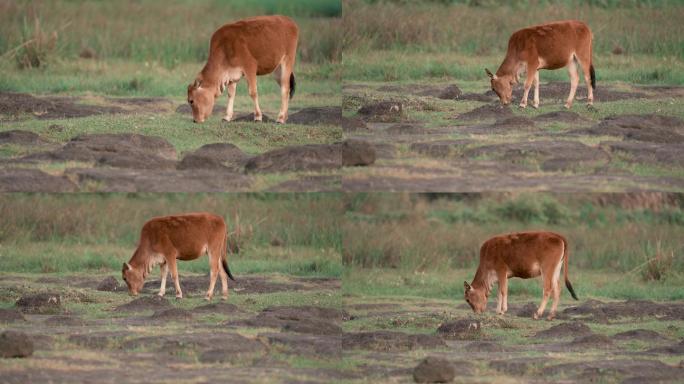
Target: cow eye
x=190, y=101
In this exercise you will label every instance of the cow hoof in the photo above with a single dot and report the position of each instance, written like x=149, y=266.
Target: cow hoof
x=550, y=317
x=568, y=106
x=535, y=316
x=280, y=121
x=500, y=313
x=522, y=106
x=535, y=106
x=258, y=119
x=224, y=298
x=227, y=118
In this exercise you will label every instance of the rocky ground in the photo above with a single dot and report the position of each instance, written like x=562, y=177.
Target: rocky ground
x=438, y=138
x=131, y=162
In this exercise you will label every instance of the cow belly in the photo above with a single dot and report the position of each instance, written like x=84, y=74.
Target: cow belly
x=526, y=272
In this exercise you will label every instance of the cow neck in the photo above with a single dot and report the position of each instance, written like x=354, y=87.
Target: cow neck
x=508, y=67
x=212, y=71
x=481, y=281
x=139, y=262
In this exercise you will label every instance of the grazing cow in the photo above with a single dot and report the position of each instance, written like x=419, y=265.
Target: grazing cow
x=547, y=46
x=250, y=47
x=163, y=240
x=524, y=255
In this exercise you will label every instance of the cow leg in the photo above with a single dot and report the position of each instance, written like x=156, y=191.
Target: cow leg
x=252, y=84
x=503, y=286
x=555, y=286
x=282, y=75
x=547, y=286
x=232, y=86
x=528, y=85
x=213, y=272
x=164, y=268
x=536, y=90
x=499, y=301
x=574, y=80
x=174, y=276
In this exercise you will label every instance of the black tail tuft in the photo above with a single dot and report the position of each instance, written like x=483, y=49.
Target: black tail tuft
x=225, y=268
x=572, y=291
x=593, y=76
x=292, y=85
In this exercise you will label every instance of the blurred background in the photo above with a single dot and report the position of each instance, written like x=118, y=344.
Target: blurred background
x=386, y=40
x=142, y=46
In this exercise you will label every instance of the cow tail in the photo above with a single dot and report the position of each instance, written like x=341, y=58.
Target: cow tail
x=292, y=85
x=593, y=76
x=224, y=258
x=566, y=254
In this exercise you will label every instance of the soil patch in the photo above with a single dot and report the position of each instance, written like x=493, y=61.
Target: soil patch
x=489, y=111
x=527, y=310
x=311, y=157
x=485, y=346
x=8, y=315
x=591, y=341
x=19, y=137
x=172, y=314
x=643, y=152
x=229, y=352
x=552, y=155
x=389, y=341
x=599, y=311
x=99, y=340
x=302, y=319
x=145, y=303
x=440, y=148
x=15, y=344
x=40, y=303
x=513, y=124
x=640, y=334
x=450, y=92
x=676, y=349
x=144, y=180
x=64, y=320
x=515, y=367
x=559, y=91
x=383, y=111
x=594, y=370
x=125, y=150
x=249, y=118
x=357, y=153
x=217, y=156
x=13, y=105
x=651, y=128
x=569, y=329
x=351, y=124
x=434, y=370
x=309, y=184
x=33, y=180
x=110, y=284
x=222, y=308
x=329, y=346
x=406, y=129
x=561, y=117
x=316, y=116
x=197, y=285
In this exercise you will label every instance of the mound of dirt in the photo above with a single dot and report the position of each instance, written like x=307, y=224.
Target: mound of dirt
x=172, y=314
x=489, y=111
x=652, y=128
x=440, y=148
x=450, y=92
x=216, y=156
x=599, y=311
x=40, y=303
x=651, y=370
x=139, y=180
x=559, y=91
x=10, y=315
x=309, y=183
x=357, y=153
x=15, y=104
x=145, y=303
x=406, y=129
x=569, y=329
x=676, y=349
x=484, y=346
x=505, y=125
x=316, y=116
x=351, y=124
x=15, y=344
x=382, y=112
x=33, y=180
x=249, y=118
x=222, y=308
x=640, y=334
x=643, y=152
x=527, y=310
x=561, y=117
x=434, y=370
x=592, y=341
x=125, y=150
x=305, y=345
x=110, y=284
x=230, y=352
x=311, y=157
x=552, y=155
x=303, y=319
x=514, y=367
x=64, y=320
x=485, y=98
x=390, y=341
x=463, y=329
x=98, y=340
x=19, y=137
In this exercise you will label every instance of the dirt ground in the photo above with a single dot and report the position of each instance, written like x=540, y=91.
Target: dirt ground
x=437, y=138
x=595, y=341
x=130, y=162
x=87, y=329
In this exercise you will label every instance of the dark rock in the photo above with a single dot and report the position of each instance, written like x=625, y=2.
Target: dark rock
x=40, y=303
x=357, y=153
x=33, y=180
x=434, y=370
x=464, y=329
x=15, y=344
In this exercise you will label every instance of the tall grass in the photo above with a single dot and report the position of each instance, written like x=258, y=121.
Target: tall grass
x=423, y=233
x=167, y=32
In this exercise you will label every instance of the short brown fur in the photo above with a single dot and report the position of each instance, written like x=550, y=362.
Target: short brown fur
x=525, y=255
x=250, y=48
x=163, y=240
x=547, y=46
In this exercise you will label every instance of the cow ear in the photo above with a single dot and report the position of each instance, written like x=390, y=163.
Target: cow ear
x=197, y=84
x=466, y=286
x=126, y=267
x=490, y=74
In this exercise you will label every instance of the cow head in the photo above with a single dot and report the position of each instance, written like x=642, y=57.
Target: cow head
x=133, y=278
x=201, y=100
x=502, y=86
x=476, y=298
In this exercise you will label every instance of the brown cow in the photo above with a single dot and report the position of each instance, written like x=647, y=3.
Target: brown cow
x=163, y=240
x=250, y=47
x=548, y=46
x=524, y=255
